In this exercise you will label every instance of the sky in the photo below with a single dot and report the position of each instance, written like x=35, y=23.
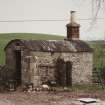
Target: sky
x=11, y=10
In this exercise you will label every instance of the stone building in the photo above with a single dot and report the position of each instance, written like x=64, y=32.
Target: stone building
x=67, y=61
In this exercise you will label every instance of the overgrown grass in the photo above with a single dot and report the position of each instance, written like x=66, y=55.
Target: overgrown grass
x=82, y=88
x=6, y=37
x=99, y=54
x=88, y=87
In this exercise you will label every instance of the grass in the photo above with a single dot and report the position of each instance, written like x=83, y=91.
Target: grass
x=83, y=88
x=6, y=37
x=87, y=87
x=99, y=54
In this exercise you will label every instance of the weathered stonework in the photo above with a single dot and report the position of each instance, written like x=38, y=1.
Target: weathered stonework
x=43, y=67
x=38, y=67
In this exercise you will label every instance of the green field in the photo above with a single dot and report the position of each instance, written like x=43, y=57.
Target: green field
x=98, y=46
x=99, y=53
x=5, y=38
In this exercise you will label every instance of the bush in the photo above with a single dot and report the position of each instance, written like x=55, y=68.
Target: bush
x=99, y=75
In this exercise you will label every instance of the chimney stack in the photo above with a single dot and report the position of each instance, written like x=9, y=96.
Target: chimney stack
x=72, y=28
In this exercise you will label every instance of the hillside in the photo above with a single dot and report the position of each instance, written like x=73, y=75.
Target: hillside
x=99, y=53
x=6, y=37
x=98, y=46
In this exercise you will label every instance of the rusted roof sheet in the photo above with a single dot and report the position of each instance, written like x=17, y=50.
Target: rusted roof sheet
x=56, y=45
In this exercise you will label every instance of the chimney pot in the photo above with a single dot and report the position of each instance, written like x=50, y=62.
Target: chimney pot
x=73, y=18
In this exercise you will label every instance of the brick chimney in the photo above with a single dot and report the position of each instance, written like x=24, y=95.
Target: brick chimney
x=72, y=28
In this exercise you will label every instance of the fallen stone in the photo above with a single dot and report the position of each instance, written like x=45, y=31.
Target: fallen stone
x=90, y=101
x=87, y=100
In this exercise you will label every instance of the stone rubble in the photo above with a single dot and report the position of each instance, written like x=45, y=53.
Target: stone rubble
x=88, y=101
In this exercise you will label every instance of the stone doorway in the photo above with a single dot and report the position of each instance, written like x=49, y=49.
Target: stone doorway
x=18, y=67
x=64, y=72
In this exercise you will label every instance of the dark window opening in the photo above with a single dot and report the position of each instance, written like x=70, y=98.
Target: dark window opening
x=18, y=67
x=60, y=72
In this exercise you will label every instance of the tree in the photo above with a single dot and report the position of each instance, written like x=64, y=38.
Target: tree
x=97, y=5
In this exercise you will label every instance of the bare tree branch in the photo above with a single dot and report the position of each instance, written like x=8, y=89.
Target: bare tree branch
x=95, y=11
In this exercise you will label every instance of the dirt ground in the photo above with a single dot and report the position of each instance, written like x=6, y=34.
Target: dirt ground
x=46, y=98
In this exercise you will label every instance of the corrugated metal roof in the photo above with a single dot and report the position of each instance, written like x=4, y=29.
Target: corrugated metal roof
x=55, y=45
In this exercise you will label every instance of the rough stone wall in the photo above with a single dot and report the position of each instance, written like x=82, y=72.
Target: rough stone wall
x=10, y=56
x=81, y=68
x=25, y=67
x=42, y=67
x=38, y=67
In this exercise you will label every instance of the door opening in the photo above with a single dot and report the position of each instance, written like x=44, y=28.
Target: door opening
x=64, y=72
x=68, y=73
x=59, y=72
x=18, y=66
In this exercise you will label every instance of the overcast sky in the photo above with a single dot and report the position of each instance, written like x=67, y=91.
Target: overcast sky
x=49, y=10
